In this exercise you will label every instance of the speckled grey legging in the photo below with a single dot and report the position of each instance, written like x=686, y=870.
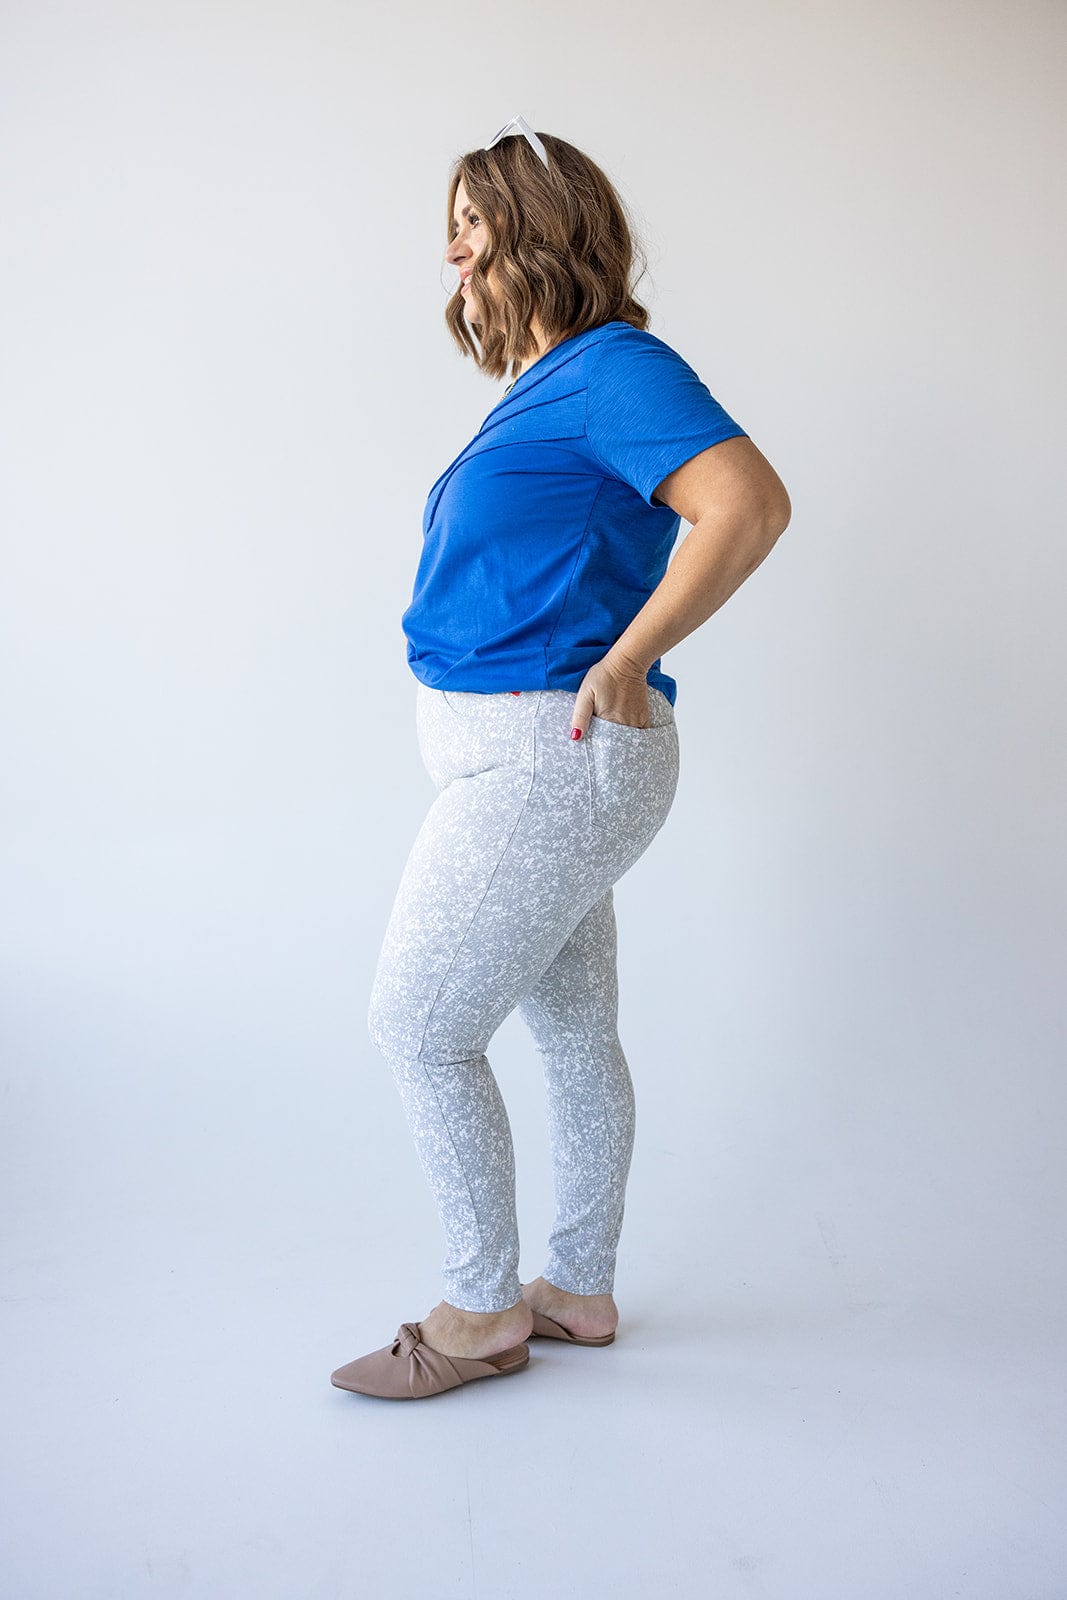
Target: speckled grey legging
x=506, y=900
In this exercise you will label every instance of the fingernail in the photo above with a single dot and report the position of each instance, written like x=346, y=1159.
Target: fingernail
x=576, y=733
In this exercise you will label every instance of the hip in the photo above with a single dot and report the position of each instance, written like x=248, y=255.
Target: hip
x=519, y=740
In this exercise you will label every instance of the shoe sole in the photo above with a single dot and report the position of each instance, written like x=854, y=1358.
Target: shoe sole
x=548, y=1328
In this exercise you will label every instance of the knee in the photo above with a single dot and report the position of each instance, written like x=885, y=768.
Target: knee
x=404, y=1030
x=392, y=1023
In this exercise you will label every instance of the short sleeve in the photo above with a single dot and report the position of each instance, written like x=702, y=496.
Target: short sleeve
x=647, y=411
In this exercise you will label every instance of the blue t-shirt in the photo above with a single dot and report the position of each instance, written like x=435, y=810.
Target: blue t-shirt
x=541, y=540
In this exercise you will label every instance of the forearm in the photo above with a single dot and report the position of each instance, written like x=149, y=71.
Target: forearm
x=718, y=553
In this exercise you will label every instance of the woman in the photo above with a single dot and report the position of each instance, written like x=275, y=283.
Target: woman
x=541, y=607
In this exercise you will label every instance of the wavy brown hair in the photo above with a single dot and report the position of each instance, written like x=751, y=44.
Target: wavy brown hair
x=560, y=242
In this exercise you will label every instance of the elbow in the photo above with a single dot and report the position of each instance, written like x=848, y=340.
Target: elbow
x=771, y=523
x=778, y=512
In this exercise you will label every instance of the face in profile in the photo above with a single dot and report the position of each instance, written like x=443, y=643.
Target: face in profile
x=468, y=240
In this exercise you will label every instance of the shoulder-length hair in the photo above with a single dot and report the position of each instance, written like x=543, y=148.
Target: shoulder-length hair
x=560, y=244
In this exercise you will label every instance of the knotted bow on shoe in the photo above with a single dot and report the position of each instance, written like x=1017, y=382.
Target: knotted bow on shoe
x=429, y=1370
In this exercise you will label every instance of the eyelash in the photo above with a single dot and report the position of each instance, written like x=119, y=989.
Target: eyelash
x=473, y=218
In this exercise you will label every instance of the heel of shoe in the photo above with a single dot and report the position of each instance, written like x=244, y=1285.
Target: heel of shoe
x=549, y=1328
x=511, y=1360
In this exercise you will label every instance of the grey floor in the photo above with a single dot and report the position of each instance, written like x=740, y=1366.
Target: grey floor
x=840, y=1368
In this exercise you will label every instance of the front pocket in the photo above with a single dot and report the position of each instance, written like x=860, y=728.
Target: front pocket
x=660, y=711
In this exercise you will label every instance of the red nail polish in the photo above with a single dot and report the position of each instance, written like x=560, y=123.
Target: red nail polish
x=576, y=733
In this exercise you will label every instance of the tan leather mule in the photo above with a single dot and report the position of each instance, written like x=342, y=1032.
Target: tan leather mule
x=410, y=1369
x=548, y=1328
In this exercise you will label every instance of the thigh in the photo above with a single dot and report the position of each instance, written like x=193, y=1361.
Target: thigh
x=493, y=886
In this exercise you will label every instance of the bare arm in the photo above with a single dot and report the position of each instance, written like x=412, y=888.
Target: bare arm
x=738, y=507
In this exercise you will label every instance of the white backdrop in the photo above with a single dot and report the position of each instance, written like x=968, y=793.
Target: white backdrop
x=226, y=390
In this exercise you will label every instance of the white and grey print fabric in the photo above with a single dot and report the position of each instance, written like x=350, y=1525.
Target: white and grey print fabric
x=506, y=900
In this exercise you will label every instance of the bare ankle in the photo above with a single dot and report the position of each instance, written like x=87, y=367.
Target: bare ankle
x=481, y=1319
x=571, y=1294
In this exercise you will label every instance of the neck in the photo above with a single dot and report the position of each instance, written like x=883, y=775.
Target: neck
x=542, y=345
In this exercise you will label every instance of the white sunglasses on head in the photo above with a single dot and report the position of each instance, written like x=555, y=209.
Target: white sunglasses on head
x=519, y=125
